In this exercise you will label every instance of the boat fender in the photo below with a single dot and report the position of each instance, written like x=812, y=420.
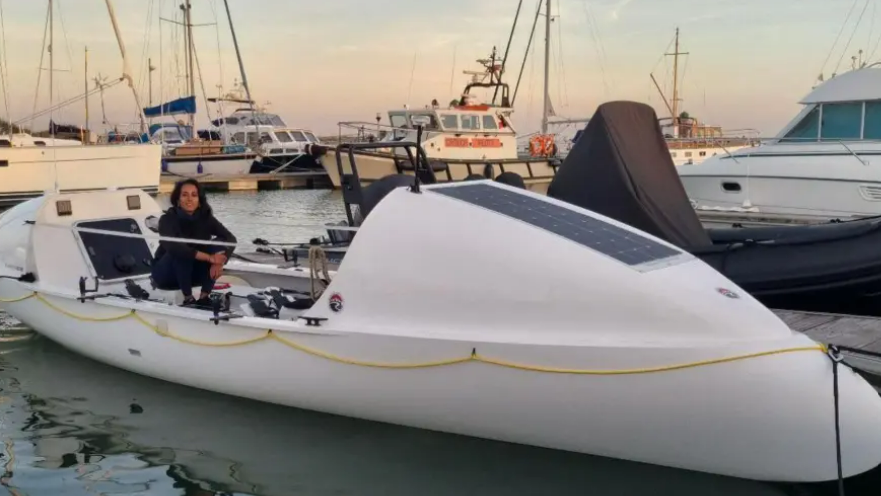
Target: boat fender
x=474, y=177
x=511, y=179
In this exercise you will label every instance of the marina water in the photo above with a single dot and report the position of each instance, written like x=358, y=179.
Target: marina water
x=72, y=426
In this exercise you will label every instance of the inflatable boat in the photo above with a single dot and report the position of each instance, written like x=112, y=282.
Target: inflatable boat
x=617, y=344
x=621, y=168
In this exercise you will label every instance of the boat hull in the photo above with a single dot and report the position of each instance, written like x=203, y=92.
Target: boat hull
x=765, y=418
x=223, y=165
x=536, y=173
x=27, y=172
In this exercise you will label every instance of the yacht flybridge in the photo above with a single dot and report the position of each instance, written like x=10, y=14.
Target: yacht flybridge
x=466, y=138
x=822, y=165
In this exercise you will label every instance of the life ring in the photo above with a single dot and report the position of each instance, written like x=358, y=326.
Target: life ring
x=542, y=145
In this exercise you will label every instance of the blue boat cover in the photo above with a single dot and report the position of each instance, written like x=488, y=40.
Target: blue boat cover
x=185, y=105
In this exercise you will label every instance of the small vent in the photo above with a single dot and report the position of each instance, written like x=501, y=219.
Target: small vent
x=64, y=208
x=870, y=193
x=134, y=202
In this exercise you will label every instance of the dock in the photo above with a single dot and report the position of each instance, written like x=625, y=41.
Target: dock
x=252, y=182
x=852, y=331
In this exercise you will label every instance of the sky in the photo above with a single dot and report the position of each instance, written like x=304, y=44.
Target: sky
x=749, y=62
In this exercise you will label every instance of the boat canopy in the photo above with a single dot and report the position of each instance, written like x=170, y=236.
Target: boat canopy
x=621, y=167
x=186, y=105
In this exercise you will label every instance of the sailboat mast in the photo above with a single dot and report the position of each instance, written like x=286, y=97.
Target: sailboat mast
x=191, y=75
x=86, y=134
x=547, y=97
x=51, y=66
x=676, y=87
x=126, y=70
x=235, y=42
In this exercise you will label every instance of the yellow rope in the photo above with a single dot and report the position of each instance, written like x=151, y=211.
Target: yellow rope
x=473, y=357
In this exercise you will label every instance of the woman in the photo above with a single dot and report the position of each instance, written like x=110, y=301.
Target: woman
x=179, y=265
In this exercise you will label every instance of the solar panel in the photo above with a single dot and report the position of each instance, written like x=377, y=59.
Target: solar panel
x=623, y=245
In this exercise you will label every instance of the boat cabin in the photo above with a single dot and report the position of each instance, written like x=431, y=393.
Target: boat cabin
x=470, y=131
x=264, y=130
x=844, y=108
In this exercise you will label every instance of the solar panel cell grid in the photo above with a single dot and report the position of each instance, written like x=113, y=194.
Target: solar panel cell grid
x=625, y=246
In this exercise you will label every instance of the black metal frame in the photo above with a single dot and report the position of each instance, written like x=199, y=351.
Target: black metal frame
x=350, y=183
x=506, y=102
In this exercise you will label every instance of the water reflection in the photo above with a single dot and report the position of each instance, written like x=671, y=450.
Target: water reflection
x=275, y=215
x=72, y=430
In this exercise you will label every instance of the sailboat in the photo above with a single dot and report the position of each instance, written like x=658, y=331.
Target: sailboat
x=31, y=165
x=690, y=141
x=185, y=152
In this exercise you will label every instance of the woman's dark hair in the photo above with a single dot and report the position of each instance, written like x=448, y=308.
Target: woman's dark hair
x=204, y=208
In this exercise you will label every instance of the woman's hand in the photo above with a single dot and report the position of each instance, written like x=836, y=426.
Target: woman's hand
x=216, y=271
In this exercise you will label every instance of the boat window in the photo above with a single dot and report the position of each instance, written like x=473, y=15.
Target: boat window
x=616, y=242
x=807, y=129
x=239, y=138
x=432, y=121
x=841, y=121
x=266, y=138
x=470, y=122
x=283, y=136
x=116, y=257
x=450, y=121
x=311, y=137
x=399, y=120
x=298, y=136
x=231, y=120
x=489, y=122
x=872, y=126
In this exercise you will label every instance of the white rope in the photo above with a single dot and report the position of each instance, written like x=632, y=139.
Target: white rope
x=178, y=240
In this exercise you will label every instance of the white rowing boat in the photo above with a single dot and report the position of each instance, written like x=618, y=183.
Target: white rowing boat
x=617, y=344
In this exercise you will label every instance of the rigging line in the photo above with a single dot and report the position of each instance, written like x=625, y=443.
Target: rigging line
x=681, y=82
x=201, y=85
x=67, y=102
x=64, y=32
x=871, y=32
x=507, y=49
x=600, y=45
x=854, y=32
x=4, y=71
x=875, y=48
x=214, y=9
x=145, y=50
x=60, y=91
x=40, y=67
x=591, y=26
x=562, y=76
x=837, y=37
x=526, y=51
x=412, y=73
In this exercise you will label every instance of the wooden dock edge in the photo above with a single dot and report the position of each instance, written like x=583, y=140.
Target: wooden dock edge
x=252, y=182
